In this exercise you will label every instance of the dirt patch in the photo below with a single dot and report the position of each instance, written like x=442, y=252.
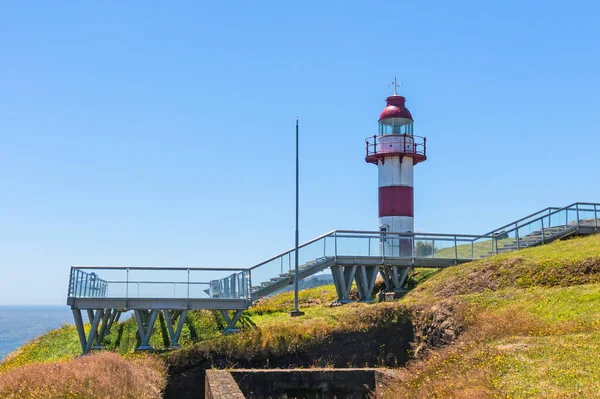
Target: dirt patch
x=439, y=324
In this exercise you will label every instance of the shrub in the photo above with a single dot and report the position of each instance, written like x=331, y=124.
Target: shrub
x=100, y=375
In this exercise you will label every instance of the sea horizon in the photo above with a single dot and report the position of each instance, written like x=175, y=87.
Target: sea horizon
x=20, y=324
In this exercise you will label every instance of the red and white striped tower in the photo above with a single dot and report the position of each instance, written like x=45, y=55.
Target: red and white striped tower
x=395, y=150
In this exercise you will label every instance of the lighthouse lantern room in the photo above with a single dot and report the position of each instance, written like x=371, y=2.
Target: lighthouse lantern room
x=396, y=150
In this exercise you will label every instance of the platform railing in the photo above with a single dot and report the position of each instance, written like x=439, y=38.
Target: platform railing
x=396, y=143
x=545, y=224
x=127, y=282
x=86, y=284
x=357, y=243
x=227, y=283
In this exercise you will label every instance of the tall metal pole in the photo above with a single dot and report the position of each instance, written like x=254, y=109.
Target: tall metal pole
x=296, y=311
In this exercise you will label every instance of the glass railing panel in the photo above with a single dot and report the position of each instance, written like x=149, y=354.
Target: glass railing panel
x=506, y=240
x=443, y=247
x=482, y=247
x=353, y=244
x=217, y=284
x=556, y=219
x=329, y=246
x=281, y=265
x=98, y=283
x=464, y=248
x=424, y=247
x=571, y=216
x=587, y=217
x=531, y=229
x=311, y=252
x=157, y=283
x=396, y=245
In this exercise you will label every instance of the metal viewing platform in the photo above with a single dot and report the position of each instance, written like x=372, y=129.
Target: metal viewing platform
x=353, y=257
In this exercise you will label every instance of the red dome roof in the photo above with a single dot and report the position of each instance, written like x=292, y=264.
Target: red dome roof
x=395, y=108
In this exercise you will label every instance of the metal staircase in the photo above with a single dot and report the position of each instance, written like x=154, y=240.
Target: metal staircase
x=538, y=237
x=284, y=279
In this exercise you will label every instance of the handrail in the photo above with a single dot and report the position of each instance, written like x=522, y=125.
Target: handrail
x=556, y=210
x=396, y=239
x=520, y=220
x=169, y=268
x=293, y=249
x=406, y=234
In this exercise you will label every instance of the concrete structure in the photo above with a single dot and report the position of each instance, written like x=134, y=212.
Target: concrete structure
x=352, y=383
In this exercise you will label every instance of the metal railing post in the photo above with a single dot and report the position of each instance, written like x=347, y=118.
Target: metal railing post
x=543, y=235
x=496, y=242
x=577, y=210
x=335, y=243
x=249, y=285
x=127, y=285
x=188, y=284
x=455, y=249
x=517, y=236
x=324, y=246
x=472, y=249
x=595, y=217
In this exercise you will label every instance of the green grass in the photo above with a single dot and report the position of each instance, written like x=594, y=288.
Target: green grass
x=530, y=323
x=561, y=263
x=558, y=366
x=476, y=250
x=522, y=324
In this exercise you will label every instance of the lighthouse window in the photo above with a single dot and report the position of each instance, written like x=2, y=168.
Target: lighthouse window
x=396, y=126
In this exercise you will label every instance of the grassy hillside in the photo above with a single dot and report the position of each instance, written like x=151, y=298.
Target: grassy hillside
x=523, y=324
x=528, y=325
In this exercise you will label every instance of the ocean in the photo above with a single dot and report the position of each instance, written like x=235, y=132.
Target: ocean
x=19, y=324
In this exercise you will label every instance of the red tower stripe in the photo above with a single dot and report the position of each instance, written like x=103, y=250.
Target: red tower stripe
x=396, y=201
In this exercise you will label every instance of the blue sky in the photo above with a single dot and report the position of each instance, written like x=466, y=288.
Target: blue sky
x=153, y=133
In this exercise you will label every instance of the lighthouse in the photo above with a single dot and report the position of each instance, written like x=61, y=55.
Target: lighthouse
x=396, y=150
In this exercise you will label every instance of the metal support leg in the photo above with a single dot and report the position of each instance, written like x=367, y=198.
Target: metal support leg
x=112, y=320
x=95, y=318
x=402, y=278
x=145, y=321
x=231, y=322
x=365, y=281
x=80, y=329
x=385, y=274
x=179, y=317
x=103, y=329
x=343, y=277
x=395, y=277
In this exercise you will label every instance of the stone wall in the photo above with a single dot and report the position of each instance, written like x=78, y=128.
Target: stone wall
x=220, y=384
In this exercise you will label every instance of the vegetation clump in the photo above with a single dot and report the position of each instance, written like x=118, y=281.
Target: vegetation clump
x=102, y=375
